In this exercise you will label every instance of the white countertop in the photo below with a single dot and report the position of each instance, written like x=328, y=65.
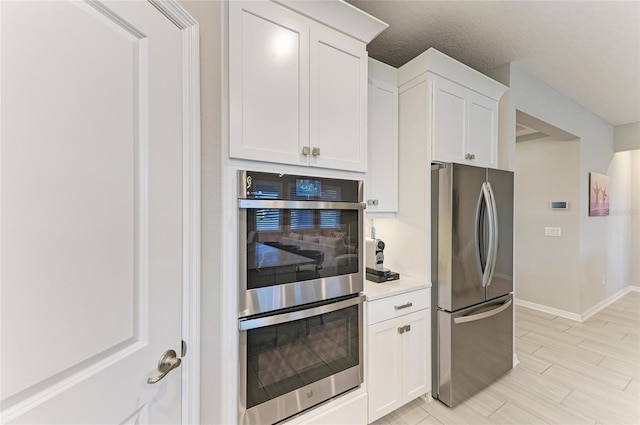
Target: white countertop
x=375, y=291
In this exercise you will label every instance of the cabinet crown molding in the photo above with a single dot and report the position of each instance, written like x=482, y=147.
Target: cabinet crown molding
x=438, y=63
x=340, y=16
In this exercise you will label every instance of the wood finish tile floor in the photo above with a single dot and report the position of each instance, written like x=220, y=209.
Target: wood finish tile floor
x=569, y=373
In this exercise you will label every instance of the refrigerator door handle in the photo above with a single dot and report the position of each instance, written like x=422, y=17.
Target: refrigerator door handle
x=486, y=276
x=484, y=315
x=493, y=249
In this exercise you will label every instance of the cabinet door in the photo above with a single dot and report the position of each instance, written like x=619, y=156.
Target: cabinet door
x=384, y=364
x=448, y=120
x=338, y=101
x=268, y=83
x=382, y=174
x=416, y=355
x=482, y=130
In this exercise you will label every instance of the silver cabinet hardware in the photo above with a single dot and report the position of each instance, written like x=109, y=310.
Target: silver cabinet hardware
x=470, y=156
x=315, y=151
x=403, y=329
x=400, y=307
x=372, y=202
x=168, y=361
x=305, y=150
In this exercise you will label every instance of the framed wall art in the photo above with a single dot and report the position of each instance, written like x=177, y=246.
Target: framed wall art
x=598, y=195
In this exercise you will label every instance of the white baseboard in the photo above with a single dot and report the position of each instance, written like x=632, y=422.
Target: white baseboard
x=575, y=316
x=550, y=310
x=604, y=303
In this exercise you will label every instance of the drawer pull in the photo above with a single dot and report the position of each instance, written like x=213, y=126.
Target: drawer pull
x=400, y=307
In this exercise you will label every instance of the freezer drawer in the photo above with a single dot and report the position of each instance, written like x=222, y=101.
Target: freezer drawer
x=475, y=347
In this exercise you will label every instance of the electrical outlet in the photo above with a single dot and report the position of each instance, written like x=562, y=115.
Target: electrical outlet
x=553, y=231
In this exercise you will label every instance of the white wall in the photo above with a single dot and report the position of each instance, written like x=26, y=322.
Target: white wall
x=627, y=137
x=208, y=14
x=535, y=98
x=623, y=230
x=634, y=278
x=546, y=268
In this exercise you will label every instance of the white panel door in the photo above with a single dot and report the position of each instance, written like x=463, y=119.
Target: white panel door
x=482, y=130
x=416, y=355
x=384, y=357
x=338, y=101
x=448, y=120
x=382, y=173
x=268, y=83
x=91, y=226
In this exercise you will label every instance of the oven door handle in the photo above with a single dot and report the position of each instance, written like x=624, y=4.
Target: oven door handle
x=274, y=204
x=262, y=322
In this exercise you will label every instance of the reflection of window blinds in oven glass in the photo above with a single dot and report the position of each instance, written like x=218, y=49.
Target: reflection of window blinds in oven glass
x=330, y=219
x=267, y=219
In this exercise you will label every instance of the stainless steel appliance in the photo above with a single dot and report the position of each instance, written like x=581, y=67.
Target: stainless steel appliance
x=472, y=272
x=300, y=240
x=298, y=358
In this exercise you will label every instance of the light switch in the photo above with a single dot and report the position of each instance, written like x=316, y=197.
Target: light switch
x=553, y=231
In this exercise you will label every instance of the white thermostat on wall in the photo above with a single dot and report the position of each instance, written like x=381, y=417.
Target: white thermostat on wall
x=559, y=205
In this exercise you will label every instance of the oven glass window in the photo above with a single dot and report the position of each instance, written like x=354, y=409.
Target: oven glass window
x=285, y=357
x=292, y=245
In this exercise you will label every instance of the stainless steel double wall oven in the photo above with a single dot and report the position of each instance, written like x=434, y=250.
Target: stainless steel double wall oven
x=301, y=273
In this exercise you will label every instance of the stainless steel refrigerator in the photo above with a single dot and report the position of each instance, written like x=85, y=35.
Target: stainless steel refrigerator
x=472, y=276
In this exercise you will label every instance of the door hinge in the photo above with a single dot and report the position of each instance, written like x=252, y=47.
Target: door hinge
x=184, y=349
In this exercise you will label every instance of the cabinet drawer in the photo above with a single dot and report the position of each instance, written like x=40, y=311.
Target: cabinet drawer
x=398, y=305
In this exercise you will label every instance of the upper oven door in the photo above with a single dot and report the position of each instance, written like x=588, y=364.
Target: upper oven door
x=300, y=242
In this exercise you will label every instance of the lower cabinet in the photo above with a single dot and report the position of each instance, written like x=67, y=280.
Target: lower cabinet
x=398, y=359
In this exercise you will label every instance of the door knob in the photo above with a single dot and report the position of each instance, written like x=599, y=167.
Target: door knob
x=168, y=361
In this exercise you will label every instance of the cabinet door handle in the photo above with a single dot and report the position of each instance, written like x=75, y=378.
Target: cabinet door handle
x=400, y=307
x=403, y=329
x=470, y=156
x=315, y=151
x=305, y=150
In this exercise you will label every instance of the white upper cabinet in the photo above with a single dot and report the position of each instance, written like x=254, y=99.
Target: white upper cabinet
x=268, y=83
x=382, y=174
x=297, y=88
x=463, y=109
x=338, y=109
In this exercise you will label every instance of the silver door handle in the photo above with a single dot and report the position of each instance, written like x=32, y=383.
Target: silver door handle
x=305, y=150
x=486, y=277
x=315, y=151
x=168, y=361
x=406, y=305
x=480, y=316
x=494, y=247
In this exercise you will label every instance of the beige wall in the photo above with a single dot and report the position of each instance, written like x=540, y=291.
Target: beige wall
x=208, y=14
x=547, y=268
x=535, y=98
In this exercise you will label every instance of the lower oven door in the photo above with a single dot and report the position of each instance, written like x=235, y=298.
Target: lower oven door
x=292, y=361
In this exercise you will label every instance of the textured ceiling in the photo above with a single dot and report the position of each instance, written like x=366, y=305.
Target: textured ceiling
x=587, y=50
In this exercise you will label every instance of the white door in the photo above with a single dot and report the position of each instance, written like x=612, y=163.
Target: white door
x=91, y=204
x=338, y=100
